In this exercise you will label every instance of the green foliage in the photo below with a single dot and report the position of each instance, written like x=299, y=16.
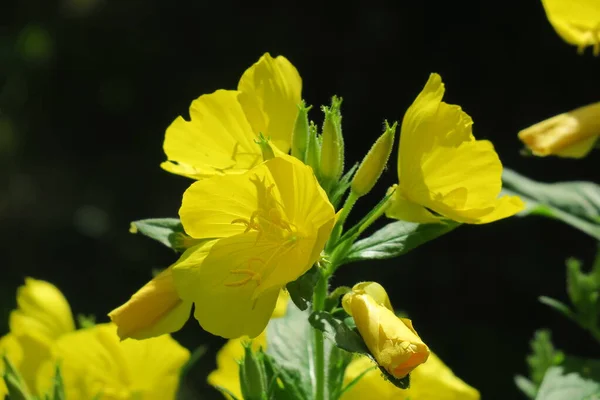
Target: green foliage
x=341, y=187
x=301, y=290
x=184, y=391
x=575, y=379
x=583, y=290
x=167, y=231
x=290, y=349
x=396, y=239
x=575, y=203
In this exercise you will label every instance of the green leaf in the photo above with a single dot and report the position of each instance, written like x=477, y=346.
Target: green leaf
x=167, y=231
x=543, y=356
x=396, y=239
x=58, y=390
x=558, y=306
x=301, y=290
x=290, y=347
x=347, y=338
x=576, y=203
x=575, y=379
x=526, y=386
x=342, y=186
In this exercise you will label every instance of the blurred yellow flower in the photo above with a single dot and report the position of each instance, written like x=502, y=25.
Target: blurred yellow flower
x=391, y=340
x=432, y=380
x=42, y=316
x=219, y=137
x=269, y=227
x=153, y=310
x=94, y=361
x=442, y=169
x=572, y=134
x=577, y=22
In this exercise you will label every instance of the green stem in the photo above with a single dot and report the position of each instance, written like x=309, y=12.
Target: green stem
x=319, y=296
x=339, y=225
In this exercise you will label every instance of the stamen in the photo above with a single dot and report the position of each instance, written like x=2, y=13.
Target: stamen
x=251, y=276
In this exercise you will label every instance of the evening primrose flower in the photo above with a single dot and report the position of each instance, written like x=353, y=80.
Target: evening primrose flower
x=442, y=169
x=219, y=137
x=577, y=22
x=391, y=340
x=269, y=227
x=95, y=362
x=571, y=134
x=432, y=380
x=42, y=316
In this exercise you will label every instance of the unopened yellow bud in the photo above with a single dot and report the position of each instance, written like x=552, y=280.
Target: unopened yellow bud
x=373, y=164
x=392, y=341
x=571, y=134
x=332, y=149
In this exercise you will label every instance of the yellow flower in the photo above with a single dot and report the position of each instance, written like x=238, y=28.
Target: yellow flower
x=219, y=137
x=577, y=22
x=94, y=361
x=153, y=310
x=42, y=316
x=572, y=134
x=270, y=226
x=432, y=380
x=442, y=168
x=392, y=341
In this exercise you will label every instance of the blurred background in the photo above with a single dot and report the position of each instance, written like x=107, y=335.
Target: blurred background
x=87, y=88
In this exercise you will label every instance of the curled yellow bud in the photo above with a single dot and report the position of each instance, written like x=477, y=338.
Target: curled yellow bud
x=152, y=311
x=571, y=134
x=392, y=341
x=374, y=162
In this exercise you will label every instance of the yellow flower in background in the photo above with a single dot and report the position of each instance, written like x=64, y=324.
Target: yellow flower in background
x=42, y=316
x=219, y=137
x=391, y=340
x=572, y=134
x=442, y=168
x=153, y=310
x=432, y=380
x=94, y=361
x=270, y=225
x=577, y=22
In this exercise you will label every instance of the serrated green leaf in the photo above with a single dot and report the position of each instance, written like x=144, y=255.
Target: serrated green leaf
x=576, y=379
x=301, y=290
x=576, y=203
x=167, y=231
x=396, y=239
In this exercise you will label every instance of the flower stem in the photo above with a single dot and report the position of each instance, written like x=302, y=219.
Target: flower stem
x=346, y=208
x=319, y=296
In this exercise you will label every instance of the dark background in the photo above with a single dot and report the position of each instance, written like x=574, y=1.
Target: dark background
x=87, y=88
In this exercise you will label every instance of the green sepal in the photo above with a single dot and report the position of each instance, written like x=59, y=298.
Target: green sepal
x=301, y=133
x=575, y=203
x=17, y=389
x=332, y=147
x=58, y=386
x=340, y=188
x=348, y=339
x=253, y=377
x=313, y=153
x=301, y=290
x=167, y=231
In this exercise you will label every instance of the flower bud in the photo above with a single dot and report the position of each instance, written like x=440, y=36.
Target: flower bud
x=332, y=149
x=300, y=135
x=313, y=152
x=392, y=341
x=372, y=166
x=571, y=134
x=265, y=147
x=152, y=311
x=253, y=378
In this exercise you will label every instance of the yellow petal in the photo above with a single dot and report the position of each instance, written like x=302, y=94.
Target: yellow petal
x=282, y=304
x=577, y=22
x=153, y=310
x=270, y=95
x=94, y=360
x=431, y=380
x=222, y=284
x=571, y=134
x=42, y=311
x=443, y=168
x=216, y=140
x=227, y=373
